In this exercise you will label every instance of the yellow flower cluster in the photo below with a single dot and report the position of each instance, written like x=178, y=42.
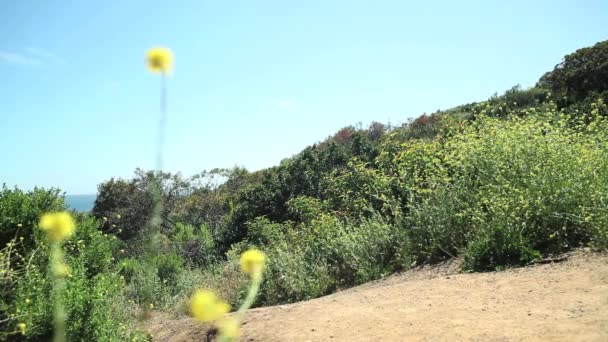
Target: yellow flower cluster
x=207, y=307
x=252, y=262
x=160, y=60
x=57, y=226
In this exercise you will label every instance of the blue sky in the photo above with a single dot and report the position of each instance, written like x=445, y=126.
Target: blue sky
x=254, y=81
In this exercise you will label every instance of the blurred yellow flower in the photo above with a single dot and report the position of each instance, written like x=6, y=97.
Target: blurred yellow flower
x=22, y=327
x=118, y=216
x=19, y=225
x=27, y=301
x=252, y=262
x=57, y=226
x=205, y=306
x=229, y=328
x=160, y=60
x=61, y=269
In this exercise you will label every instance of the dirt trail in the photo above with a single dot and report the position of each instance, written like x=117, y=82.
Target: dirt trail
x=565, y=301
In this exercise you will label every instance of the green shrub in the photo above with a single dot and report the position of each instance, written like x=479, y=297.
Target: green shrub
x=129, y=268
x=292, y=276
x=499, y=245
x=440, y=225
x=368, y=251
x=317, y=258
x=263, y=232
x=195, y=246
x=539, y=173
x=20, y=212
x=169, y=266
x=91, y=293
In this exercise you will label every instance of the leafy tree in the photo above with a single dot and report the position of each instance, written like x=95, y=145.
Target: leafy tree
x=20, y=211
x=580, y=73
x=126, y=205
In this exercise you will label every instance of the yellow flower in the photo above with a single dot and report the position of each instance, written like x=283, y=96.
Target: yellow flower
x=58, y=226
x=205, y=306
x=27, y=301
x=229, y=328
x=19, y=225
x=61, y=270
x=151, y=306
x=160, y=60
x=252, y=262
x=22, y=327
x=118, y=216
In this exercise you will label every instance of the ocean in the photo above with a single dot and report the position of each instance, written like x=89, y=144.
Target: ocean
x=81, y=203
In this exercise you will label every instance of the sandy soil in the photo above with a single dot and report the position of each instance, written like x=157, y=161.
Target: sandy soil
x=561, y=301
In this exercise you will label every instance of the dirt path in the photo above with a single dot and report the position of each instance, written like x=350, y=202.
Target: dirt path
x=565, y=301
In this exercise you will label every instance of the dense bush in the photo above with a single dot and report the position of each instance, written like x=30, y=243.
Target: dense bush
x=196, y=246
x=92, y=288
x=536, y=181
x=20, y=212
x=580, y=73
x=325, y=254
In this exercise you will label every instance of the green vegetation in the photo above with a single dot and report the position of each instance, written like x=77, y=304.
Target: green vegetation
x=500, y=183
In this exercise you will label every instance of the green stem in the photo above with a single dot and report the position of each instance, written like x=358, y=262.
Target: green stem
x=162, y=123
x=251, y=294
x=249, y=300
x=153, y=232
x=59, y=314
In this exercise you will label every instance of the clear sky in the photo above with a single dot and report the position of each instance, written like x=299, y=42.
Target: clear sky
x=254, y=81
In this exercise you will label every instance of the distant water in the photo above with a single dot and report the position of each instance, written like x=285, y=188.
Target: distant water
x=81, y=202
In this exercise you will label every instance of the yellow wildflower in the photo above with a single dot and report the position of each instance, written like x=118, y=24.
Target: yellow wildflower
x=229, y=328
x=61, y=269
x=58, y=226
x=27, y=301
x=252, y=262
x=22, y=327
x=151, y=306
x=160, y=60
x=205, y=306
x=118, y=216
x=19, y=225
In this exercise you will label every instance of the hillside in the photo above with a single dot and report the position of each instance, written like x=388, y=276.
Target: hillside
x=483, y=187
x=563, y=301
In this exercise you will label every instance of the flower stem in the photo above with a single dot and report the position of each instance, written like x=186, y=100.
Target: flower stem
x=59, y=314
x=154, y=226
x=162, y=123
x=251, y=294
